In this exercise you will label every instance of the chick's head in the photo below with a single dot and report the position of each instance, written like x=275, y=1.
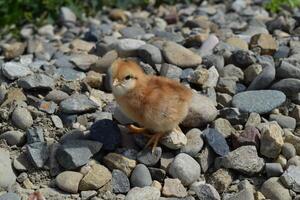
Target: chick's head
x=125, y=76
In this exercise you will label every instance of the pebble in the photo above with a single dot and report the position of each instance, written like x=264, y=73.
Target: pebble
x=83, y=61
x=69, y=74
x=223, y=126
x=273, y=189
x=128, y=47
x=244, y=159
x=296, y=113
x=36, y=81
x=174, y=140
x=68, y=181
x=250, y=136
x=22, y=118
x=273, y=169
x=205, y=191
x=107, y=132
x=284, y=121
x=150, y=54
x=10, y=196
x=265, y=42
x=261, y=101
x=206, y=158
x=185, y=168
x=120, y=182
x=148, y=192
x=194, y=142
x=173, y=188
x=287, y=70
x=216, y=141
x=35, y=134
x=201, y=112
x=180, y=56
x=208, y=45
x=242, y=58
x=86, y=195
x=57, y=121
x=140, y=176
x=232, y=71
x=254, y=119
x=252, y=72
x=132, y=32
x=14, y=70
x=66, y=15
x=170, y=71
x=157, y=174
x=8, y=177
x=271, y=139
x=102, y=64
x=56, y=96
x=38, y=153
x=95, y=178
x=227, y=85
x=13, y=50
x=13, y=138
x=76, y=153
x=291, y=178
x=76, y=104
x=117, y=161
x=288, y=86
x=149, y=157
x=237, y=42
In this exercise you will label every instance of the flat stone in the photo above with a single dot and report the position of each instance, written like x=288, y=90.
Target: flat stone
x=36, y=81
x=178, y=55
x=13, y=138
x=271, y=139
x=244, y=159
x=14, y=70
x=120, y=182
x=237, y=42
x=208, y=45
x=273, y=189
x=10, y=196
x=22, y=118
x=140, y=176
x=173, y=188
x=288, y=86
x=128, y=47
x=56, y=95
x=76, y=153
x=261, y=101
x=68, y=181
x=107, y=132
x=148, y=192
x=201, y=112
x=102, y=64
x=69, y=74
x=117, y=161
x=86, y=195
x=132, y=32
x=57, y=121
x=149, y=157
x=194, y=142
x=205, y=191
x=83, y=61
x=38, y=153
x=8, y=177
x=81, y=45
x=216, y=141
x=291, y=178
x=185, y=168
x=77, y=103
x=284, y=121
x=96, y=177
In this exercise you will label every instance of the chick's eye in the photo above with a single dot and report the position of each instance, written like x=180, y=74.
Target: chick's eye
x=128, y=77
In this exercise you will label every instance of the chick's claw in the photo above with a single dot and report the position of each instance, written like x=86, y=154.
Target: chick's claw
x=154, y=140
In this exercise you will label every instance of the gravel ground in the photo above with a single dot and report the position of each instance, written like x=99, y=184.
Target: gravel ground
x=62, y=134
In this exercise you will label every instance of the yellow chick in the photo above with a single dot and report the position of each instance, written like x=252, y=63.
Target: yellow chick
x=157, y=104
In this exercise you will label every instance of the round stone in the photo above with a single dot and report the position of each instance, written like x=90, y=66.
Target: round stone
x=68, y=181
x=288, y=150
x=140, y=176
x=120, y=182
x=149, y=158
x=260, y=101
x=22, y=118
x=13, y=137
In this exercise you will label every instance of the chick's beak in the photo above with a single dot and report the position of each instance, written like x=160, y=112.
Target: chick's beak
x=115, y=82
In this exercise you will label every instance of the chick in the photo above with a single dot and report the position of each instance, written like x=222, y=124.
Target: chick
x=156, y=103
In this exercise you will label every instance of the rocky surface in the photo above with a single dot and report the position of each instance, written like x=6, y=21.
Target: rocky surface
x=62, y=134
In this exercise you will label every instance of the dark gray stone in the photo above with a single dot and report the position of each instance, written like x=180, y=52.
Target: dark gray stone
x=205, y=191
x=273, y=169
x=206, y=158
x=77, y=103
x=288, y=150
x=140, y=176
x=242, y=58
x=14, y=70
x=284, y=121
x=170, y=71
x=150, y=54
x=288, y=86
x=262, y=101
x=234, y=116
x=120, y=182
x=216, y=141
x=35, y=134
x=149, y=158
x=264, y=79
x=287, y=70
x=157, y=174
x=38, y=153
x=70, y=74
x=36, y=81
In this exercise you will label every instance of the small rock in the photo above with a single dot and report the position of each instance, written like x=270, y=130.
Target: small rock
x=57, y=121
x=81, y=45
x=262, y=101
x=232, y=71
x=14, y=70
x=233, y=115
x=128, y=47
x=287, y=70
x=103, y=64
x=206, y=158
x=174, y=140
x=216, y=141
x=244, y=159
x=69, y=74
x=35, y=134
x=213, y=77
x=223, y=126
x=284, y=121
x=66, y=15
x=13, y=138
x=185, y=168
x=264, y=41
x=291, y=178
x=148, y=192
x=36, y=81
x=117, y=161
x=86, y=195
x=157, y=174
x=272, y=189
x=194, y=142
x=107, y=132
x=8, y=178
x=242, y=58
x=83, y=61
x=77, y=103
x=149, y=157
x=250, y=136
x=296, y=113
x=208, y=45
x=132, y=32
x=38, y=153
x=264, y=79
x=180, y=56
x=94, y=79
x=10, y=196
x=227, y=85
x=173, y=188
x=200, y=76
x=22, y=118
x=252, y=72
x=237, y=42
x=68, y=181
x=201, y=112
x=273, y=169
x=14, y=49
x=289, y=86
x=271, y=139
x=120, y=182
x=170, y=71
x=205, y=191
x=96, y=177
x=253, y=120
x=224, y=99
x=220, y=180
x=47, y=106
x=140, y=176
x=150, y=54
x=118, y=14
x=57, y=96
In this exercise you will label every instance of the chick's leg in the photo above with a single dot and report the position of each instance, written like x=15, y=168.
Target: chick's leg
x=136, y=130
x=154, y=140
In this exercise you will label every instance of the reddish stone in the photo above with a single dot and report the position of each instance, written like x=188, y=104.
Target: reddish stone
x=250, y=136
